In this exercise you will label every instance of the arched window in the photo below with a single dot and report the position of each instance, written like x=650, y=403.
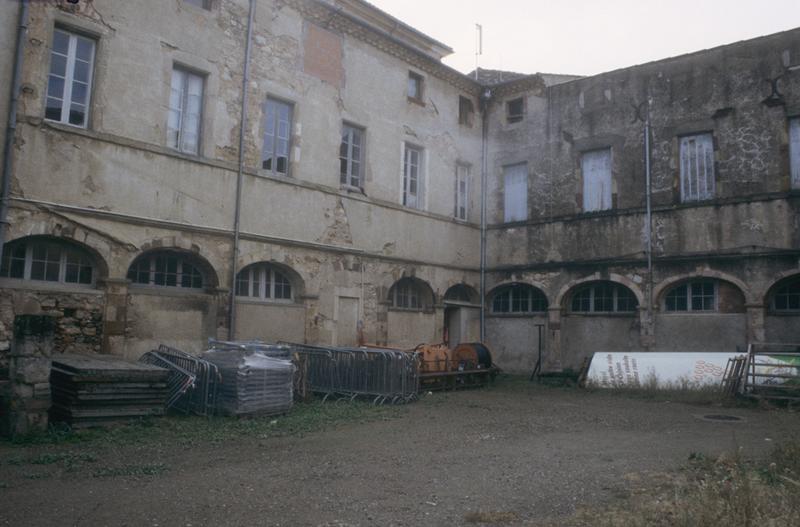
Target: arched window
x=47, y=260
x=786, y=298
x=166, y=269
x=604, y=297
x=461, y=293
x=411, y=293
x=518, y=298
x=264, y=281
x=694, y=296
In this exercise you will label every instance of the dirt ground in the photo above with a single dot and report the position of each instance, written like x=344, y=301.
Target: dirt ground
x=517, y=453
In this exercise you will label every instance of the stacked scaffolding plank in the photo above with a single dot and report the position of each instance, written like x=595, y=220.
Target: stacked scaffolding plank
x=99, y=390
x=773, y=372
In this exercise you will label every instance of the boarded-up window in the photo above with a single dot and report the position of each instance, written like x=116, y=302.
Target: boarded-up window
x=515, y=178
x=794, y=149
x=596, y=167
x=697, y=167
x=322, y=55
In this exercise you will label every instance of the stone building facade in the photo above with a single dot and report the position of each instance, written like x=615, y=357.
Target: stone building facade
x=335, y=193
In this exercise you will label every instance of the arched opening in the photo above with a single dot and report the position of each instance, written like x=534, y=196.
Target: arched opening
x=268, y=282
x=172, y=268
x=411, y=294
x=782, y=320
x=602, y=298
x=50, y=260
x=462, y=315
x=518, y=299
x=703, y=295
x=461, y=294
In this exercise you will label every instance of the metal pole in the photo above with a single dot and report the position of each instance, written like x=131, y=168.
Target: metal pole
x=485, y=98
x=240, y=177
x=11, y=128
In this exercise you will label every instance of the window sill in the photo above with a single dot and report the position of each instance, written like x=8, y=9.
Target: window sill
x=540, y=314
x=788, y=313
x=68, y=125
x=167, y=291
x=350, y=189
x=264, y=302
x=628, y=314
x=49, y=287
x=414, y=100
x=411, y=310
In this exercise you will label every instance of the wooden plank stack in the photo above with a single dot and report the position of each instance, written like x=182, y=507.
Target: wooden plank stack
x=99, y=390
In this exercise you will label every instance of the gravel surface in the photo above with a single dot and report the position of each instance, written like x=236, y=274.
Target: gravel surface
x=513, y=452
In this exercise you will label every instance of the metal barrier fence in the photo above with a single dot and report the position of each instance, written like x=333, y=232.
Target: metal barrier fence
x=193, y=382
x=278, y=351
x=383, y=375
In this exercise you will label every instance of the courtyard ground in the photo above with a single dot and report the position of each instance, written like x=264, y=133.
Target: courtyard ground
x=514, y=454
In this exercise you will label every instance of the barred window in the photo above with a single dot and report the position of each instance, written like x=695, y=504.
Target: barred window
x=697, y=168
x=519, y=298
x=165, y=269
x=604, y=297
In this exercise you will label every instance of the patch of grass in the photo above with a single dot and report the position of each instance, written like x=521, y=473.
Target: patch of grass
x=729, y=490
x=37, y=475
x=153, y=469
x=491, y=518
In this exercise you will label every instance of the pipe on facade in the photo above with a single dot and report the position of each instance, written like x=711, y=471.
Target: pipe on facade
x=486, y=97
x=11, y=129
x=237, y=215
x=648, y=218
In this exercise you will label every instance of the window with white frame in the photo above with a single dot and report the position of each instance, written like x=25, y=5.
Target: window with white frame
x=597, y=185
x=518, y=299
x=697, y=167
x=264, y=281
x=412, y=177
x=165, y=269
x=694, y=296
x=351, y=155
x=604, y=297
x=47, y=261
x=515, y=190
x=185, y=111
x=786, y=298
x=462, y=192
x=794, y=151
x=69, y=83
x=277, y=136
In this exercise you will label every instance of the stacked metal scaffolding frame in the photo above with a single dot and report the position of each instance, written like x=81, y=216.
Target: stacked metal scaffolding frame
x=772, y=372
x=385, y=376
x=193, y=382
x=254, y=381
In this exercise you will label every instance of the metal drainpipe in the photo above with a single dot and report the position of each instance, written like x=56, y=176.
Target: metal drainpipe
x=485, y=99
x=11, y=129
x=240, y=177
x=649, y=219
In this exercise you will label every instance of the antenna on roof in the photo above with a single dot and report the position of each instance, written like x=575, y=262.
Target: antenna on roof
x=478, y=47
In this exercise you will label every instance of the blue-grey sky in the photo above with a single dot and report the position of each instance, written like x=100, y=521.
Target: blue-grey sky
x=588, y=36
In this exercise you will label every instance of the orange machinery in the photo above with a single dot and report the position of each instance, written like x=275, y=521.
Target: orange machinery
x=466, y=365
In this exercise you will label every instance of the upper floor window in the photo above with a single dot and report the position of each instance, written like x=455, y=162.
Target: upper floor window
x=185, y=111
x=515, y=179
x=604, y=297
x=205, y=4
x=277, y=136
x=697, y=168
x=466, y=111
x=794, y=150
x=462, y=192
x=70, y=80
x=351, y=155
x=412, y=177
x=47, y=261
x=415, y=87
x=787, y=297
x=519, y=298
x=165, y=269
x=597, y=186
x=264, y=281
x=700, y=295
x=515, y=110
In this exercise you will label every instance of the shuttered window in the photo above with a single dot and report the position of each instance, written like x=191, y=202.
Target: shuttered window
x=794, y=149
x=596, y=168
x=515, y=178
x=697, y=168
